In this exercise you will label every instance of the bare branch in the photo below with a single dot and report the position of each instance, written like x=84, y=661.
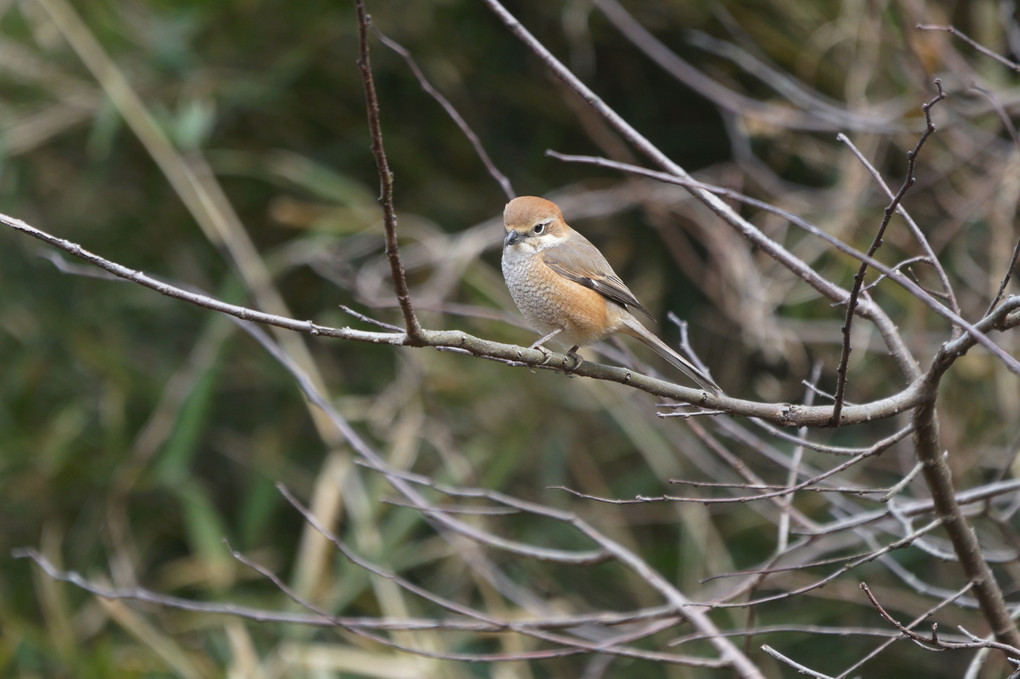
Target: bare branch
x=952, y=30
x=1000, y=110
x=929, y=256
x=784, y=491
x=801, y=669
x=845, y=568
x=571, y=645
x=931, y=644
x=371, y=321
x=729, y=654
x=457, y=118
x=811, y=113
x=414, y=330
x=148, y=596
x=917, y=621
x=934, y=643
x=940, y=481
x=876, y=243
x=970, y=496
x=1006, y=278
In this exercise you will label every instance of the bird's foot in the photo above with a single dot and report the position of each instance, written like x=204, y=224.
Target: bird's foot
x=576, y=357
x=538, y=344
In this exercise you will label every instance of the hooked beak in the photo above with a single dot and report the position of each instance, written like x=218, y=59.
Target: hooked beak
x=512, y=238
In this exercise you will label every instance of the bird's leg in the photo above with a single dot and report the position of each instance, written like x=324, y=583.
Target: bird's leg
x=576, y=356
x=538, y=344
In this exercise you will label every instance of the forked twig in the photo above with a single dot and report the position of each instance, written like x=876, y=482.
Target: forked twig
x=918, y=620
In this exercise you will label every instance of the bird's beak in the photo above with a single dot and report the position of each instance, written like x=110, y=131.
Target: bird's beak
x=512, y=238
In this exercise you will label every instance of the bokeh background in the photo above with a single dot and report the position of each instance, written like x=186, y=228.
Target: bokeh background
x=138, y=432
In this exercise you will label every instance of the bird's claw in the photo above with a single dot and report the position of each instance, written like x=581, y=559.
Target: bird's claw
x=576, y=357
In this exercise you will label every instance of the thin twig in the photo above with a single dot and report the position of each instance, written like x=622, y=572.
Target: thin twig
x=148, y=596
x=457, y=118
x=1014, y=258
x=801, y=669
x=930, y=644
x=685, y=415
x=848, y=566
x=794, y=469
x=839, y=630
x=411, y=324
x=904, y=264
x=890, y=210
x=846, y=490
x=368, y=319
x=902, y=483
x=783, y=492
x=800, y=566
x=952, y=30
x=881, y=444
x=918, y=234
x=917, y=507
x=934, y=643
x=324, y=619
x=773, y=115
x=918, y=620
x=1000, y=110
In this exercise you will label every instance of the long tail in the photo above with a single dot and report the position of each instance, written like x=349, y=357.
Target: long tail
x=633, y=327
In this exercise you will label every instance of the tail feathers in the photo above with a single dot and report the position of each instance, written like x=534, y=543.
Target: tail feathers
x=633, y=327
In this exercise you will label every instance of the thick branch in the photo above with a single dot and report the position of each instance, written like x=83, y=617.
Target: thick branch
x=965, y=543
x=939, y=478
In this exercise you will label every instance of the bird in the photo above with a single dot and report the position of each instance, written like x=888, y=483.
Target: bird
x=566, y=289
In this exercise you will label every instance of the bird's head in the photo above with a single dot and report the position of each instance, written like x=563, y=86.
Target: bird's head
x=533, y=223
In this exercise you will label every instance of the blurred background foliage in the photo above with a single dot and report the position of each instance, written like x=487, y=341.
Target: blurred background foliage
x=138, y=432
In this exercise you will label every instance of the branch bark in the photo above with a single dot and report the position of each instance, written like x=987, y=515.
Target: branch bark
x=938, y=476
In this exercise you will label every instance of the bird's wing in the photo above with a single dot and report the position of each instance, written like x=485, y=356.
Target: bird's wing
x=581, y=262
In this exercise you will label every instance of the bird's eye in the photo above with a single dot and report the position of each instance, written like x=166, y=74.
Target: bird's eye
x=539, y=228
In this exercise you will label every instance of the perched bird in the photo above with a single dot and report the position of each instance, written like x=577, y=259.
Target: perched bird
x=566, y=289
